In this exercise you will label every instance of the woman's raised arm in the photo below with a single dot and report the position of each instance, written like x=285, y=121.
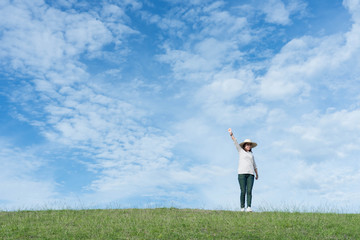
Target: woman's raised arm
x=234, y=140
x=231, y=134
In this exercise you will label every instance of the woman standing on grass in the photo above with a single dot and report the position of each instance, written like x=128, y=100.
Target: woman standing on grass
x=246, y=170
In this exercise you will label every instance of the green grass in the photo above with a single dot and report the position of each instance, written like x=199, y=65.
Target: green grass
x=172, y=223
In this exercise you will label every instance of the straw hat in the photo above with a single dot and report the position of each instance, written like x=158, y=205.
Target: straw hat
x=253, y=144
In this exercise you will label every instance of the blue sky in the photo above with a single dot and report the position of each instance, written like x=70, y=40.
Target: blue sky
x=127, y=103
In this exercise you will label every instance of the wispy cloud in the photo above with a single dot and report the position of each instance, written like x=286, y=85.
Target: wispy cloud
x=107, y=128
x=24, y=183
x=280, y=12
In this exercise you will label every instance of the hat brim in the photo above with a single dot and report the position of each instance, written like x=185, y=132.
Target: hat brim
x=253, y=144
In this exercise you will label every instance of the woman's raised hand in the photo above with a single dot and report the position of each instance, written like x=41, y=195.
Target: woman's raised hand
x=229, y=130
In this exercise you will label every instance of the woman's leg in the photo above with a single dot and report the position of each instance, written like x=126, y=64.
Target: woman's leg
x=242, y=183
x=249, y=187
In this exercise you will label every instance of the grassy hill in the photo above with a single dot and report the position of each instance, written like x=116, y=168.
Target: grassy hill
x=172, y=223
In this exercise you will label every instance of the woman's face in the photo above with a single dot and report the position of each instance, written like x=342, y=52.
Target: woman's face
x=247, y=146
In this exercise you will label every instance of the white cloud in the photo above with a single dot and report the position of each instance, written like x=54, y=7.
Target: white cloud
x=21, y=184
x=107, y=128
x=221, y=24
x=301, y=63
x=216, y=45
x=278, y=12
x=115, y=19
x=75, y=113
x=229, y=98
x=331, y=180
x=183, y=61
x=334, y=133
x=54, y=39
x=224, y=89
x=353, y=6
x=300, y=185
x=200, y=63
x=86, y=33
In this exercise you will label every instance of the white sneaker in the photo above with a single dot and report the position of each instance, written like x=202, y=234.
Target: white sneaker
x=248, y=209
x=242, y=210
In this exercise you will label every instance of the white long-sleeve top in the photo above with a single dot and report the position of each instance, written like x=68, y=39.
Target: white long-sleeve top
x=247, y=163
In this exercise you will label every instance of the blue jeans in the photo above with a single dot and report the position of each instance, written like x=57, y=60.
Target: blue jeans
x=246, y=182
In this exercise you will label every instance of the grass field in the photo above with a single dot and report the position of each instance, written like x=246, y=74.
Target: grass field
x=173, y=223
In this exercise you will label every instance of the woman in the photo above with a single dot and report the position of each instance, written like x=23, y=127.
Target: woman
x=246, y=170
